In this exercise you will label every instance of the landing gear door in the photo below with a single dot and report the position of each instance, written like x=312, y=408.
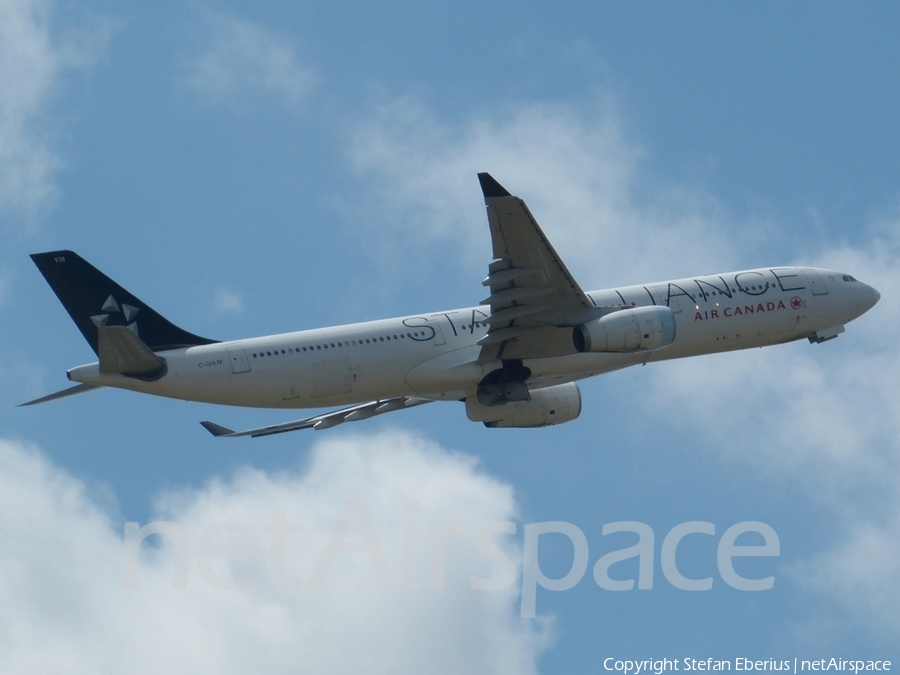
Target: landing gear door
x=238, y=358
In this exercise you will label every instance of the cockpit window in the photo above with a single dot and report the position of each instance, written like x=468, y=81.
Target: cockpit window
x=847, y=277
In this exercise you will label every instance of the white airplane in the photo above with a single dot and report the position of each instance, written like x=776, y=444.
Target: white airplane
x=513, y=360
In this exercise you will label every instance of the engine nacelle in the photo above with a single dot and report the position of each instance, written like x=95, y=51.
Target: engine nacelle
x=550, y=405
x=627, y=330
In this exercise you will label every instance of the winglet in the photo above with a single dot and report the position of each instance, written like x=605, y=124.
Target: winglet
x=490, y=187
x=217, y=429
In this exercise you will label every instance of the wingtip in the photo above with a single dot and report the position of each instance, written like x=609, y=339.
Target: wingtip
x=217, y=430
x=490, y=187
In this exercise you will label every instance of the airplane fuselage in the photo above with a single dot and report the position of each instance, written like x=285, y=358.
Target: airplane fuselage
x=435, y=355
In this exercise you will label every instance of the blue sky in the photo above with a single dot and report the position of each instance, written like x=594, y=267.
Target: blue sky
x=260, y=169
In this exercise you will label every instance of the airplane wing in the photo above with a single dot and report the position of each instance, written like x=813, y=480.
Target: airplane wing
x=324, y=421
x=530, y=285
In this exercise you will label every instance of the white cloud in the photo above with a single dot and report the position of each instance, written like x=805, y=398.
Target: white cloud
x=823, y=419
x=63, y=607
x=577, y=170
x=829, y=412
x=820, y=419
x=245, y=56
x=32, y=62
x=227, y=302
x=863, y=574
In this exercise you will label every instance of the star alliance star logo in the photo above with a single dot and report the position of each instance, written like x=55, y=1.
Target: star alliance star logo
x=121, y=316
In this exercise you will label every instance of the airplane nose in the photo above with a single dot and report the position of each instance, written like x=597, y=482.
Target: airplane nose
x=872, y=296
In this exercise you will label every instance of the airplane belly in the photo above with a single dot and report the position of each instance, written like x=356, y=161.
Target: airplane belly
x=343, y=379
x=330, y=378
x=578, y=366
x=452, y=371
x=222, y=375
x=779, y=326
x=193, y=375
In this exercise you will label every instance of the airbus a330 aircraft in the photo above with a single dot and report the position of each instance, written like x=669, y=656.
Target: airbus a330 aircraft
x=514, y=359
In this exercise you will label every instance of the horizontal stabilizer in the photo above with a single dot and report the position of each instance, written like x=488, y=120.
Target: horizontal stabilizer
x=324, y=421
x=65, y=393
x=123, y=352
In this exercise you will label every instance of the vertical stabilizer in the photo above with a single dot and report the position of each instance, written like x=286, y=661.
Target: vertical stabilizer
x=93, y=300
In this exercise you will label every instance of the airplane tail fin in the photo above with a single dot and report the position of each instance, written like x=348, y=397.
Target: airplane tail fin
x=93, y=300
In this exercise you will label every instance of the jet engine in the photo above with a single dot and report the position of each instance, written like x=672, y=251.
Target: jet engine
x=627, y=330
x=551, y=405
